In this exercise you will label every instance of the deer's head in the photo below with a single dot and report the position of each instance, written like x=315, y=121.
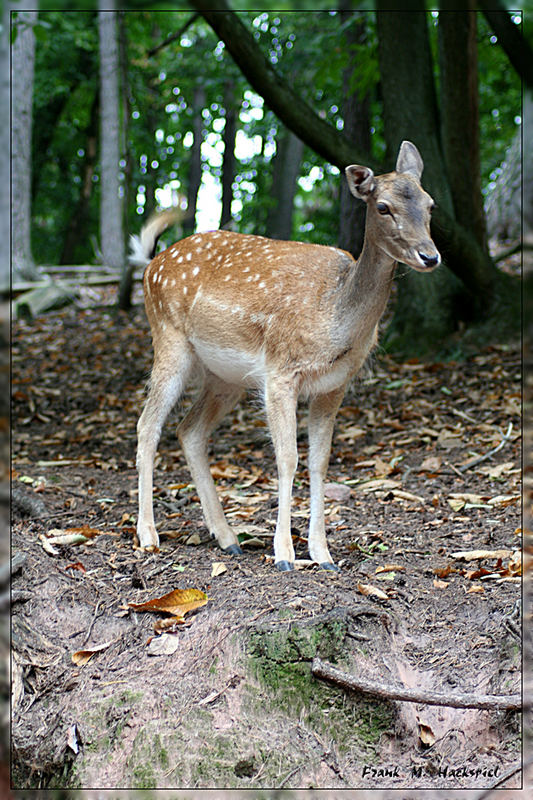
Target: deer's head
x=399, y=210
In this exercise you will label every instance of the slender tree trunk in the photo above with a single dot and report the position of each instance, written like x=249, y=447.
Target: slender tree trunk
x=5, y=231
x=111, y=230
x=23, y=59
x=286, y=168
x=228, y=165
x=356, y=113
x=126, y=116
x=195, y=165
x=460, y=116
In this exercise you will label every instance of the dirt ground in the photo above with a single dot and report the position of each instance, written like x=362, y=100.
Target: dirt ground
x=227, y=699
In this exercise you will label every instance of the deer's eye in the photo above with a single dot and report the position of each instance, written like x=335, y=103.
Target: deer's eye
x=382, y=208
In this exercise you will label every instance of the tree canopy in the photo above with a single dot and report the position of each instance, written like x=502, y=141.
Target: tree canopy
x=210, y=97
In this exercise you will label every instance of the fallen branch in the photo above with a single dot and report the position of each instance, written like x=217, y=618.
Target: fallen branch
x=506, y=438
x=321, y=669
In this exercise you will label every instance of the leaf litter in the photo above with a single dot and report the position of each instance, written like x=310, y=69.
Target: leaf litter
x=398, y=449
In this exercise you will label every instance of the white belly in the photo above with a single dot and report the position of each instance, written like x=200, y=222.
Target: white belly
x=233, y=366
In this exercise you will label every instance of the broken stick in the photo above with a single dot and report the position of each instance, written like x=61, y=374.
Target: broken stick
x=321, y=669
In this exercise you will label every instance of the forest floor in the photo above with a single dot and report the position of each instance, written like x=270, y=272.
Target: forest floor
x=428, y=595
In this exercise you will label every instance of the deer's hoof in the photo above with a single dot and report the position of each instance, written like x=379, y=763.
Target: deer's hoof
x=233, y=550
x=329, y=566
x=284, y=566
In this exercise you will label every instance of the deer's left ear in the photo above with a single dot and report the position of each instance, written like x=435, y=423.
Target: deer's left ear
x=409, y=160
x=360, y=181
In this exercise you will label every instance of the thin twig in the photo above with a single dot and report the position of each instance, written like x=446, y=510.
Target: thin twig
x=502, y=778
x=506, y=438
x=321, y=669
x=287, y=778
x=89, y=631
x=174, y=36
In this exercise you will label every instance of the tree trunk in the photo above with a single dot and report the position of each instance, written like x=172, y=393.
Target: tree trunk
x=228, y=165
x=286, y=168
x=356, y=113
x=517, y=49
x=460, y=116
x=195, y=164
x=111, y=229
x=5, y=167
x=23, y=59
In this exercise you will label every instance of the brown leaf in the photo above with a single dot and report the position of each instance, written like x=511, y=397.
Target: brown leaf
x=445, y=571
x=390, y=568
x=81, y=657
x=440, y=584
x=472, y=555
x=430, y=464
x=426, y=734
x=177, y=602
x=368, y=590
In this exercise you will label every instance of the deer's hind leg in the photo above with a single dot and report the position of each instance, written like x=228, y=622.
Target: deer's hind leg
x=216, y=399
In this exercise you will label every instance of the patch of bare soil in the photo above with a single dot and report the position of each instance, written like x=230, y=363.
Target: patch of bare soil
x=228, y=698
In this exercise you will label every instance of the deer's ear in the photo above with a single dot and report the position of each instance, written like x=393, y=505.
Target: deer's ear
x=360, y=181
x=409, y=160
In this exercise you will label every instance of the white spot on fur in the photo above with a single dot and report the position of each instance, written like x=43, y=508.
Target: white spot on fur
x=196, y=270
x=188, y=256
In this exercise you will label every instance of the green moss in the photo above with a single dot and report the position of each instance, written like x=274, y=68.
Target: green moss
x=280, y=660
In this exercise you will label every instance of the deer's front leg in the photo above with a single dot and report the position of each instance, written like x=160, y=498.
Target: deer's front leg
x=322, y=412
x=280, y=400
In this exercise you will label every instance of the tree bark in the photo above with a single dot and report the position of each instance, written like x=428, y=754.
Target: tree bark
x=5, y=167
x=356, y=114
x=23, y=59
x=195, y=164
x=228, y=165
x=460, y=116
x=518, y=50
x=286, y=168
x=111, y=229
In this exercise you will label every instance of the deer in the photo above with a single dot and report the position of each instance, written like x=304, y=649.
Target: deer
x=289, y=320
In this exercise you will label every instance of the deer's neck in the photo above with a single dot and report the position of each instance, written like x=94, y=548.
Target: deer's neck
x=366, y=291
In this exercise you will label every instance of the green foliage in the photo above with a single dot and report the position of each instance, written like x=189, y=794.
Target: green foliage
x=308, y=49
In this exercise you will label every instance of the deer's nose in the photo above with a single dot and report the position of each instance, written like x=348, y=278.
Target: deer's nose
x=429, y=261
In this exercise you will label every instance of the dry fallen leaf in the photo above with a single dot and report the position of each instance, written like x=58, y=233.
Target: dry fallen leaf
x=390, y=568
x=337, y=491
x=178, y=602
x=164, y=645
x=430, y=464
x=440, y=584
x=217, y=568
x=427, y=736
x=371, y=591
x=471, y=555
x=81, y=657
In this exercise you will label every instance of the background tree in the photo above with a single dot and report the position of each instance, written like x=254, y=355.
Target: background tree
x=111, y=231
x=23, y=57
